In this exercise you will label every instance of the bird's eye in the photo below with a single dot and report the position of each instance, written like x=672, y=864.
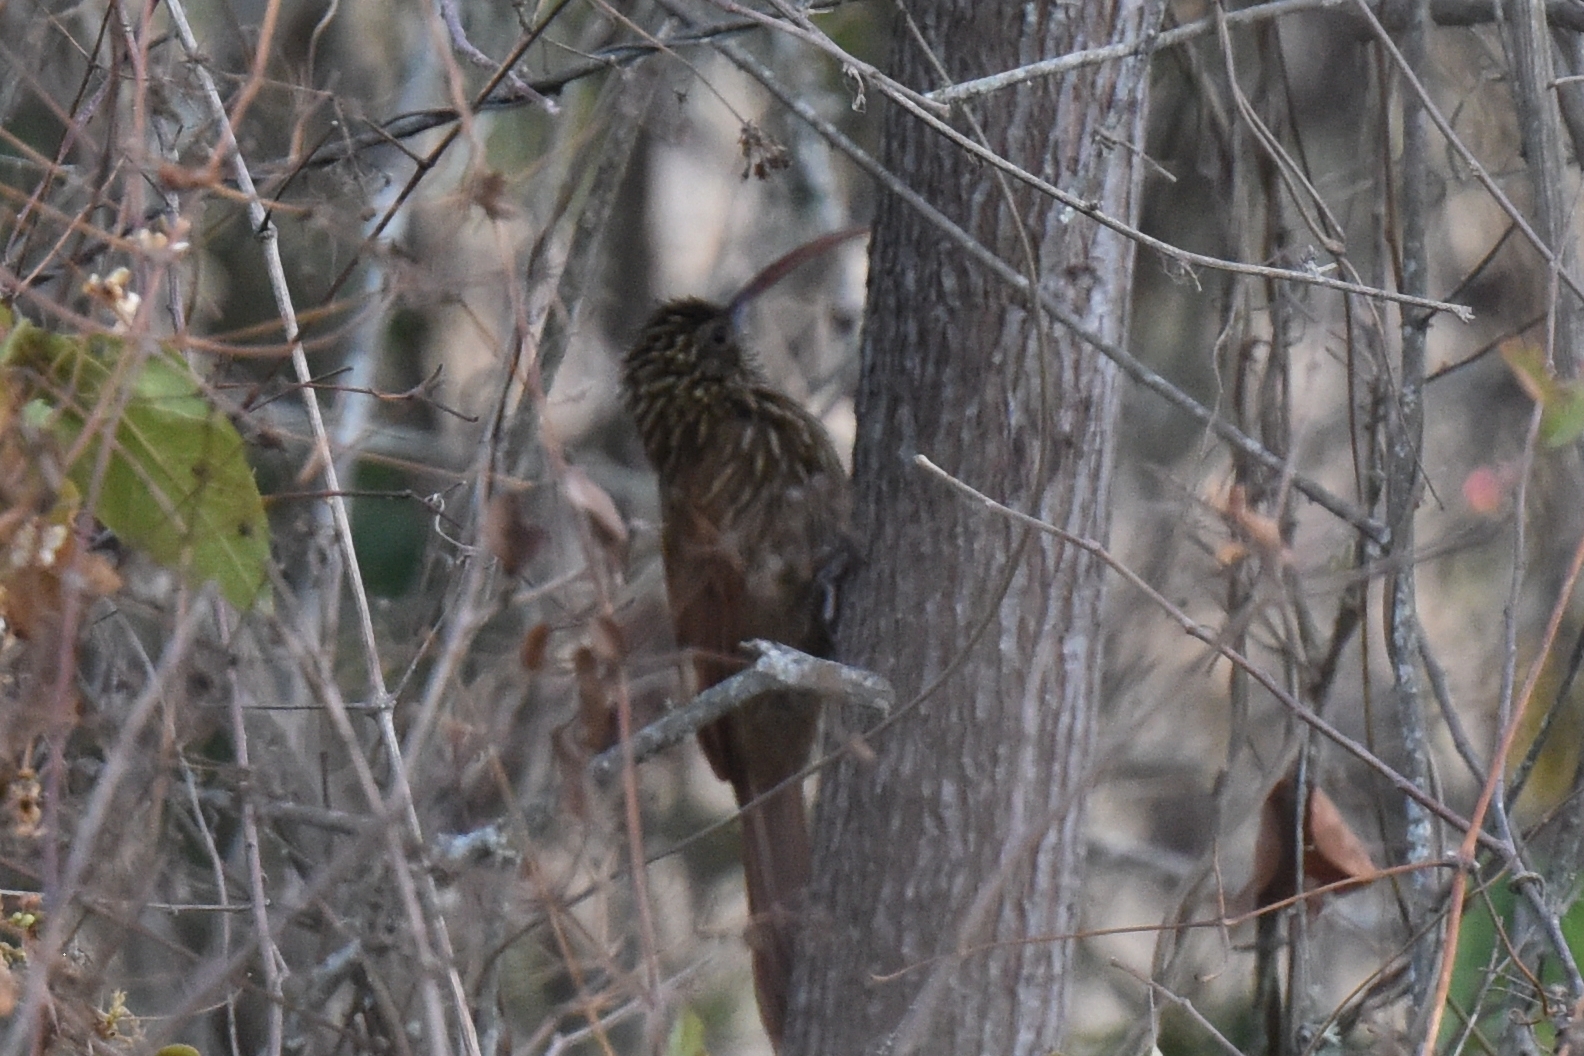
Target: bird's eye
x=717, y=335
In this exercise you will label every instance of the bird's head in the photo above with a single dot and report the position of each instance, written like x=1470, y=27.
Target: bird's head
x=689, y=341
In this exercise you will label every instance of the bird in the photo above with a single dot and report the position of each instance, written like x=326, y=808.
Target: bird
x=754, y=507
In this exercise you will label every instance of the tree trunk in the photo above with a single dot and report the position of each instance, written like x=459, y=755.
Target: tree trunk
x=951, y=857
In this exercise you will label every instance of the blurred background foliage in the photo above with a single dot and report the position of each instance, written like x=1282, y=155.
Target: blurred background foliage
x=465, y=292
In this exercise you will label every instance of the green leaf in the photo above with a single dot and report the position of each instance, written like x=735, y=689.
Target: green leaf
x=1484, y=944
x=1562, y=414
x=687, y=1035
x=1528, y=364
x=176, y=484
x=1561, y=402
x=65, y=371
x=1477, y=944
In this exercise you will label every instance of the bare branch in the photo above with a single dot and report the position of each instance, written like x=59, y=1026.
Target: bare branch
x=1208, y=635
x=1125, y=360
x=1562, y=15
x=779, y=668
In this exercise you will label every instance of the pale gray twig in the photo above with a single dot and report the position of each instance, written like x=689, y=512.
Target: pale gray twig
x=1563, y=14
x=437, y=958
x=1435, y=674
x=1060, y=64
x=459, y=40
x=797, y=24
x=779, y=668
x=1187, y=258
x=1184, y=1004
x=270, y=959
x=1404, y=444
x=483, y=846
x=561, y=1042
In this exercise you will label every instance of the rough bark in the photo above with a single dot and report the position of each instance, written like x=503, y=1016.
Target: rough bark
x=951, y=856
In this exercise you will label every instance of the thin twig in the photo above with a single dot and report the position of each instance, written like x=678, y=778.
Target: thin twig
x=269, y=241
x=1456, y=142
x=459, y=40
x=1435, y=674
x=1211, y=636
x=1455, y=13
x=199, y=985
x=1493, y=782
x=1060, y=64
x=258, y=890
x=1129, y=365
x=316, y=671
x=96, y=813
x=1186, y=258
x=1186, y=1005
x=1404, y=432
x=796, y=23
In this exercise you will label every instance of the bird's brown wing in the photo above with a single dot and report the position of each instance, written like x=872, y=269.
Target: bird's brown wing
x=756, y=748
x=737, y=570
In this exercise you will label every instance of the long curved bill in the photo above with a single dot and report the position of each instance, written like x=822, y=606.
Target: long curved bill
x=780, y=269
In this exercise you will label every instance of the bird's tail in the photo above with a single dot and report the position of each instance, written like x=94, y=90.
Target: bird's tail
x=776, y=871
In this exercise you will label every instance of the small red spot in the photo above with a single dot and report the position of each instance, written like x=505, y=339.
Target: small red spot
x=1485, y=490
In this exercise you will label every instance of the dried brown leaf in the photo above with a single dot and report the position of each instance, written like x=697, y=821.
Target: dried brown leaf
x=1261, y=530
x=595, y=503
x=535, y=644
x=1332, y=853
x=596, y=716
x=510, y=536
